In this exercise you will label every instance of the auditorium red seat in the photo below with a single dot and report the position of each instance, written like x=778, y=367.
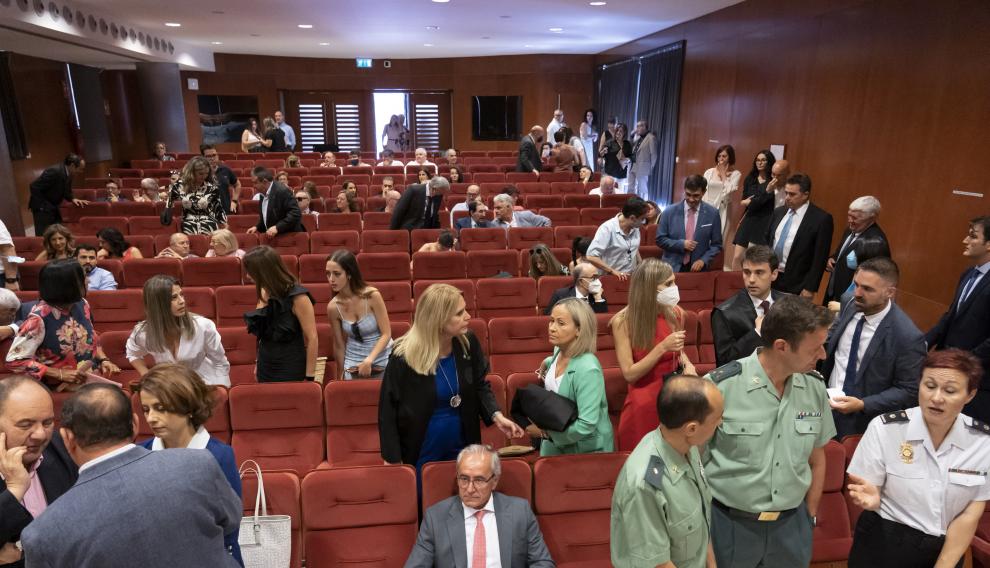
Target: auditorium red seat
x=571, y=187
x=385, y=241
x=691, y=337
x=384, y=266
x=218, y=424
x=289, y=243
x=125, y=172
x=351, y=409
x=832, y=536
x=706, y=344
x=142, y=164
x=616, y=292
x=93, y=225
x=518, y=344
x=138, y=270
x=486, y=173
x=398, y=299
x=697, y=290
x=522, y=177
x=528, y=188
x=597, y=215
x=340, y=222
x=479, y=328
x=850, y=443
x=320, y=291
x=464, y=285
x=489, y=263
x=279, y=425
x=483, y=239
x=151, y=225
x=241, y=223
x=272, y=164
x=541, y=200
x=242, y=352
x=312, y=268
x=606, y=342
x=114, y=344
x=562, y=216
x=617, y=200
x=564, y=236
x=547, y=285
x=115, y=310
x=420, y=237
x=376, y=220
x=439, y=481
x=201, y=300
x=326, y=242
x=233, y=302
x=616, y=389
x=249, y=207
x=29, y=247
x=114, y=266
x=245, y=241
x=144, y=243
x=491, y=435
x=514, y=382
x=319, y=178
x=309, y=221
x=283, y=495
x=554, y=177
x=359, y=516
x=582, y=201
x=222, y=271
x=524, y=238
x=439, y=265
x=574, y=510
x=727, y=284
x=504, y=297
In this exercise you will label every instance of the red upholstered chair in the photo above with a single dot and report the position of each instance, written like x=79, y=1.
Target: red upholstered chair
x=491, y=435
x=320, y=291
x=691, y=335
x=385, y=241
x=489, y=263
x=521, y=177
x=570, y=187
x=115, y=310
x=617, y=200
x=114, y=344
x=564, y=236
x=340, y=222
x=218, y=425
x=562, y=216
x=541, y=200
x=515, y=382
x=279, y=425
x=377, y=220
x=697, y=290
x=132, y=209
x=554, y=177
x=483, y=239
x=574, y=510
x=242, y=352
x=606, y=342
x=501, y=297
x=325, y=242
x=850, y=443
x=92, y=225
x=222, y=271
x=233, y=302
x=439, y=265
x=29, y=272
x=581, y=201
x=528, y=188
x=706, y=344
x=351, y=408
x=146, y=244
x=464, y=285
x=518, y=344
x=422, y=236
x=29, y=247
x=114, y=266
x=616, y=389
x=283, y=495
x=398, y=299
x=727, y=284
x=439, y=481
x=241, y=223
x=524, y=238
x=138, y=270
x=289, y=243
x=313, y=268
x=832, y=536
x=546, y=286
x=479, y=328
x=616, y=292
x=384, y=266
x=359, y=516
x=150, y=226
x=597, y=215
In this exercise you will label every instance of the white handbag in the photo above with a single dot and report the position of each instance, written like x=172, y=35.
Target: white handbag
x=265, y=540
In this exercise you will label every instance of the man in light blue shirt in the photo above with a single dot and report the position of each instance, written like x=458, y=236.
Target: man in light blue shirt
x=96, y=277
x=290, y=134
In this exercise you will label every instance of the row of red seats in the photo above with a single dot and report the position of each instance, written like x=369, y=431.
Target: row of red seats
x=475, y=165
x=365, y=156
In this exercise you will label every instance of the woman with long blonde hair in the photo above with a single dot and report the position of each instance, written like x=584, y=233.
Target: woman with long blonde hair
x=542, y=262
x=434, y=388
x=649, y=341
x=58, y=242
x=199, y=194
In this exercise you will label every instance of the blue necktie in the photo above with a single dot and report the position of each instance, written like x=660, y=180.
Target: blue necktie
x=968, y=286
x=779, y=246
x=849, y=385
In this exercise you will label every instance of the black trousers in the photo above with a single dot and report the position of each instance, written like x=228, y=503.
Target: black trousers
x=879, y=543
x=44, y=219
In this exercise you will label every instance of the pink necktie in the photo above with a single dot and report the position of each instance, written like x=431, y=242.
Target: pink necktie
x=478, y=554
x=689, y=232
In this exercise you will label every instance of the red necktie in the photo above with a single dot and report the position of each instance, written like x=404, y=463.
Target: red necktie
x=689, y=231
x=478, y=555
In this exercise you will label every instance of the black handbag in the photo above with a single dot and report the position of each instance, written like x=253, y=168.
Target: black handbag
x=547, y=409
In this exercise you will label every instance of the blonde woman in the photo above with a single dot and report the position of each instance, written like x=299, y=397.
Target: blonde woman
x=58, y=242
x=172, y=334
x=434, y=388
x=573, y=372
x=542, y=262
x=197, y=191
x=649, y=341
x=224, y=243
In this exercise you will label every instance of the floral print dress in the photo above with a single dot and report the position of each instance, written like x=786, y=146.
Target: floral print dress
x=53, y=338
x=202, y=208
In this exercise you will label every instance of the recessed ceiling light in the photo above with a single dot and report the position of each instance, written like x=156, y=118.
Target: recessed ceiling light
x=527, y=45
x=556, y=30
x=305, y=26
x=597, y=3
x=427, y=45
x=441, y=1
x=216, y=42
x=173, y=24
x=433, y=28
x=324, y=43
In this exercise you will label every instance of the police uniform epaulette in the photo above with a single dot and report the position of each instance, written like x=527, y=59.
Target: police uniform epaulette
x=816, y=374
x=894, y=417
x=980, y=426
x=654, y=472
x=725, y=371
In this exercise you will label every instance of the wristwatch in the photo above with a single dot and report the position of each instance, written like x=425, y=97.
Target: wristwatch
x=13, y=280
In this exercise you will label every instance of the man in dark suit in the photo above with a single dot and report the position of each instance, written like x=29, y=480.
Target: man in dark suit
x=874, y=352
x=967, y=323
x=529, y=152
x=465, y=526
x=171, y=507
x=420, y=204
x=52, y=187
x=35, y=468
x=861, y=222
x=736, y=322
x=690, y=232
x=280, y=213
x=800, y=234
x=586, y=286
x=476, y=219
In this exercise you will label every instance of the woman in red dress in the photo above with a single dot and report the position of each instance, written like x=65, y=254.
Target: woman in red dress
x=649, y=339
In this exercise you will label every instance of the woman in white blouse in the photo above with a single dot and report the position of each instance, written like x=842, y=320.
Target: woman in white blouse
x=171, y=334
x=723, y=181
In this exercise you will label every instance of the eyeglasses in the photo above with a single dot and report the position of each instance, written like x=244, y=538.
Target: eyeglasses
x=465, y=481
x=301, y=198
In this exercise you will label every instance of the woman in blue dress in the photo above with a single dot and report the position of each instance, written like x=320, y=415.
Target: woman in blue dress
x=362, y=334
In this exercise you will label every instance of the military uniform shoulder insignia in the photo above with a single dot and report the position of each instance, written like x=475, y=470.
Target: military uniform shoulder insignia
x=654, y=472
x=980, y=426
x=816, y=374
x=894, y=417
x=726, y=371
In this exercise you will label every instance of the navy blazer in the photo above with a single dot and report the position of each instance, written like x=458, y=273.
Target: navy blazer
x=889, y=372
x=465, y=223
x=967, y=326
x=809, y=251
x=283, y=211
x=707, y=233
x=842, y=275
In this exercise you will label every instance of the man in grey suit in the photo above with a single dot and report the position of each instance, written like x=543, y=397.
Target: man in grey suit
x=467, y=526
x=131, y=506
x=643, y=159
x=874, y=352
x=505, y=217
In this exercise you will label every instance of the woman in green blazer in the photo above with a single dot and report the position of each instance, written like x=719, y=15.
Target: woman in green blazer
x=574, y=372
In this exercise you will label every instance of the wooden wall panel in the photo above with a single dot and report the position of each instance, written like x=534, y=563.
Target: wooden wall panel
x=878, y=97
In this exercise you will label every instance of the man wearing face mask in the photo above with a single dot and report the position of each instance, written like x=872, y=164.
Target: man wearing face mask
x=861, y=222
x=690, y=232
x=586, y=286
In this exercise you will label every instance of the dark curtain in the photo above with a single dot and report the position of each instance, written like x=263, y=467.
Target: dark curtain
x=617, y=93
x=659, y=99
x=16, y=141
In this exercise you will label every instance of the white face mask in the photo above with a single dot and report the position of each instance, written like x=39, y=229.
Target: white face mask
x=669, y=296
x=595, y=287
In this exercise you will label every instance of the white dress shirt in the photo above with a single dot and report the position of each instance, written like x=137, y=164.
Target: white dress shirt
x=105, y=457
x=551, y=382
x=492, y=558
x=264, y=203
x=982, y=269
x=838, y=377
x=789, y=237
x=198, y=442
x=203, y=352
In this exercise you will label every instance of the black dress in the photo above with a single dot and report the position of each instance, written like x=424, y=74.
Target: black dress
x=613, y=166
x=756, y=222
x=278, y=140
x=281, y=348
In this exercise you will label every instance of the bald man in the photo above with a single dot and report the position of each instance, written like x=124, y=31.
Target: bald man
x=779, y=173
x=529, y=151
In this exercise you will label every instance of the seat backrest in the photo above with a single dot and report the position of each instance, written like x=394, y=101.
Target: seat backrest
x=546, y=286
x=139, y=270
x=706, y=342
x=114, y=344
x=92, y=225
x=483, y=239
x=384, y=266
x=564, y=236
x=518, y=344
x=283, y=495
x=150, y=226
x=562, y=216
x=398, y=299
x=597, y=215
x=233, y=302
x=241, y=349
x=359, y=516
x=691, y=335
x=501, y=297
x=439, y=265
x=540, y=200
x=464, y=285
x=616, y=389
x=832, y=535
x=351, y=408
x=290, y=243
x=581, y=200
x=615, y=291
x=524, y=238
x=312, y=268
x=385, y=241
x=420, y=237
x=489, y=263
x=116, y=310
x=222, y=271
x=279, y=425
x=727, y=284
x=697, y=290
x=440, y=481
x=605, y=342
x=340, y=221
x=325, y=242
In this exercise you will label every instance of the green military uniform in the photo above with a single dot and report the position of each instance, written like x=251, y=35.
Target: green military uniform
x=661, y=508
x=758, y=467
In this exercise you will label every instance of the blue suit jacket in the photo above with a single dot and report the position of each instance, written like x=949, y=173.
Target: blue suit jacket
x=465, y=223
x=707, y=232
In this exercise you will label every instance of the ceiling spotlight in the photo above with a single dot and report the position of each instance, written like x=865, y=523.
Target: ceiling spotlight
x=556, y=30
x=324, y=43
x=441, y=1
x=216, y=42
x=432, y=28
x=597, y=3
x=427, y=45
x=305, y=26
x=173, y=24
x=527, y=45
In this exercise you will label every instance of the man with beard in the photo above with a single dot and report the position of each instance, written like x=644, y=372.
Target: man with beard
x=96, y=277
